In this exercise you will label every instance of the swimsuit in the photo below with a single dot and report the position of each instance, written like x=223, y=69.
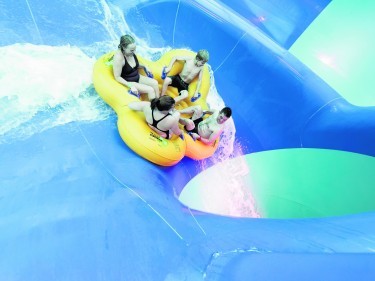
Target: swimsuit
x=178, y=83
x=196, y=123
x=156, y=122
x=129, y=73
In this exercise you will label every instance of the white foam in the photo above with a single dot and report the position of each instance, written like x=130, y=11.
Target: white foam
x=45, y=86
x=227, y=147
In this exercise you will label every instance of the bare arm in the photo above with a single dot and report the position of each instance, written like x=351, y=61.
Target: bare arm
x=173, y=60
x=141, y=66
x=144, y=67
x=138, y=105
x=211, y=139
x=210, y=111
x=117, y=69
x=199, y=81
x=175, y=129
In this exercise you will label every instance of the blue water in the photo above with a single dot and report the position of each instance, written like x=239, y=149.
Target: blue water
x=77, y=204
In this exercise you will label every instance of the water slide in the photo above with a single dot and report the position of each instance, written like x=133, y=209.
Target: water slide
x=289, y=195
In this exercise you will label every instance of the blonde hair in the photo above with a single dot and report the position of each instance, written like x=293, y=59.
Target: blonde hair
x=125, y=40
x=203, y=55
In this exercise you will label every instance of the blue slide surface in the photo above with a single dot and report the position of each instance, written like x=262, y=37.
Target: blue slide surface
x=77, y=204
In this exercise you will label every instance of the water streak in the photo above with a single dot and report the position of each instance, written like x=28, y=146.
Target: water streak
x=36, y=26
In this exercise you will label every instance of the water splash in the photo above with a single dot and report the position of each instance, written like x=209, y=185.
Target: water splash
x=227, y=194
x=227, y=148
x=50, y=86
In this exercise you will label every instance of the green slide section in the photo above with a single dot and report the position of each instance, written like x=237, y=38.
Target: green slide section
x=339, y=46
x=287, y=183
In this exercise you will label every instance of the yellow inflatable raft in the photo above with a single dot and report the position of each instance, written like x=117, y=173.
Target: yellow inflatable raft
x=132, y=126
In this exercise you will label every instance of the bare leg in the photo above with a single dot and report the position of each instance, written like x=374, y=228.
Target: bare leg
x=188, y=123
x=183, y=95
x=152, y=83
x=166, y=83
x=145, y=89
x=195, y=111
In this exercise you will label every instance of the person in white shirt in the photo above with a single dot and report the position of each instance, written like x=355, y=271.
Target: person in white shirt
x=206, y=130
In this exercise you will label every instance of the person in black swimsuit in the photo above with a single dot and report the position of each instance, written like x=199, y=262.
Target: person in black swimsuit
x=160, y=115
x=131, y=74
x=126, y=70
x=156, y=122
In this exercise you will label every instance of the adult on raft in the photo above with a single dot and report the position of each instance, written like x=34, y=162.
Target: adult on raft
x=206, y=130
x=126, y=70
x=160, y=115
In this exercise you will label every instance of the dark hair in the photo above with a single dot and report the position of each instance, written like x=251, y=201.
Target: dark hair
x=162, y=103
x=125, y=40
x=227, y=111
